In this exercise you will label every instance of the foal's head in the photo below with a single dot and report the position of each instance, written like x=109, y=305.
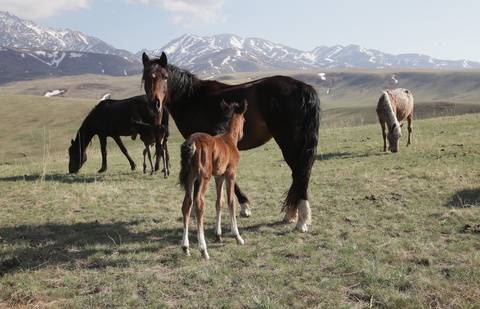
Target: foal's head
x=394, y=134
x=77, y=155
x=237, y=112
x=155, y=79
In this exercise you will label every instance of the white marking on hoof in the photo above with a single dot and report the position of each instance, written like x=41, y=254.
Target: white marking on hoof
x=304, y=216
x=245, y=211
x=240, y=240
x=186, y=251
x=205, y=254
x=302, y=227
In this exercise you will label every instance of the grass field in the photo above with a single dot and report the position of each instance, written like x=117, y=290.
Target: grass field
x=388, y=230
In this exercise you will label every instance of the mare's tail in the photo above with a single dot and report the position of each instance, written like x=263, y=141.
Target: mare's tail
x=187, y=151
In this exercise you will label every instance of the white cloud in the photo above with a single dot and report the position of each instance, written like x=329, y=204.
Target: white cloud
x=189, y=10
x=35, y=9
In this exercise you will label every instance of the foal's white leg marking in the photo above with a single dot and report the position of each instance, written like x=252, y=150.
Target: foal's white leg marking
x=245, y=210
x=231, y=209
x=202, y=245
x=304, y=216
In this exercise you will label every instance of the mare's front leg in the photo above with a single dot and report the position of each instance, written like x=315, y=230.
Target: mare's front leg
x=147, y=147
x=384, y=135
x=244, y=202
x=103, y=148
x=409, y=119
x=124, y=151
x=231, y=208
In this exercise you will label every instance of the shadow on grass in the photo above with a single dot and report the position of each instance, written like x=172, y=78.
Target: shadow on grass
x=55, y=177
x=465, y=198
x=346, y=155
x=37, y=246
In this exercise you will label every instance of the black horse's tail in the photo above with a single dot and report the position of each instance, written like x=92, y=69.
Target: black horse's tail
x=187, y=151
x=306, y=157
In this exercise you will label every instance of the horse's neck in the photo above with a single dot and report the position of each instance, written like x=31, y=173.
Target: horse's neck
x=233, y=130
x=390, y=110
x=84, y=136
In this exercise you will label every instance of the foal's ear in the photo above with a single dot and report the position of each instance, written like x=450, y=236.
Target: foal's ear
x=145, y=58
x=163, y=60
x=72, y=142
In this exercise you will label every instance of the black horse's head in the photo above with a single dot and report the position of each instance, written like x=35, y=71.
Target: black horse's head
x=77, y=155
x=155, y=79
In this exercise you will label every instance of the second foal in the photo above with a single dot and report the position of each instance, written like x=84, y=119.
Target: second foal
x=204, y=156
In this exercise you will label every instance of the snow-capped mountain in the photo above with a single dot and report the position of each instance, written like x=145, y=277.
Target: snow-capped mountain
x=226, y=53
x=20, y=33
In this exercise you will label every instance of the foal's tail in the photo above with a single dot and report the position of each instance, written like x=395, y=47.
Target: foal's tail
x=306, y=156
x=187, y=151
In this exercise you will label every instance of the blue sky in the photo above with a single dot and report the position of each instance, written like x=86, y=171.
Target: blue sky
x=440, y=28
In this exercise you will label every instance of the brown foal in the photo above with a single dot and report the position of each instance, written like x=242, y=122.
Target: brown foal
x=204, y=156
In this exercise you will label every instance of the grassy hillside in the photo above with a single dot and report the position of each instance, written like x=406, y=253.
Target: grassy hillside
x=348, y=97
x=388, y=230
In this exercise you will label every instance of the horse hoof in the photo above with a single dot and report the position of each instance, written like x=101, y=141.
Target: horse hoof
x=302, y=227
x=218, y=238
x=102, y=170
x=205, y=255
x=133, y=167
x=186, y=251
x=240, y=240
x=245, y=211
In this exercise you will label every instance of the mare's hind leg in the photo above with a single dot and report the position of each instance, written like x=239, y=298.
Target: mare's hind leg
x=186, y=208
x=124, y=151
x=218, y=207
x=244, y=202
x=409, y=119
x=103, y=148
x=231, y=207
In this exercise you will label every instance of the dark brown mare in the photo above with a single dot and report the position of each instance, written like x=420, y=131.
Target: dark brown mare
x=280, y=107
x=204, y=156
x=112, y=118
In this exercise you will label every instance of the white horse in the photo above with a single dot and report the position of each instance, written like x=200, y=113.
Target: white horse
x=394, y=106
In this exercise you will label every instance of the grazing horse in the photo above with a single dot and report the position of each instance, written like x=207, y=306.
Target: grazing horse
x=112, y=118
x=204, y=156
x=394, y=106
x=280, y=107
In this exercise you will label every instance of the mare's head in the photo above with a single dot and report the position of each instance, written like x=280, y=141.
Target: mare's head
x=155, y=79
x=237, y=113
x=77, y=155
x=394, y=134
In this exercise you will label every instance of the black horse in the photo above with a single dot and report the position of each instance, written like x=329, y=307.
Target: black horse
x=115, y=118
x=280, y=107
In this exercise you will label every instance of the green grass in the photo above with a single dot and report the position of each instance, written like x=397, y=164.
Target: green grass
x=388, y=230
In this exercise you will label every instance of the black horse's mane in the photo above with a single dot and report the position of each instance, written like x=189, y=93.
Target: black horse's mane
x=184, y=82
